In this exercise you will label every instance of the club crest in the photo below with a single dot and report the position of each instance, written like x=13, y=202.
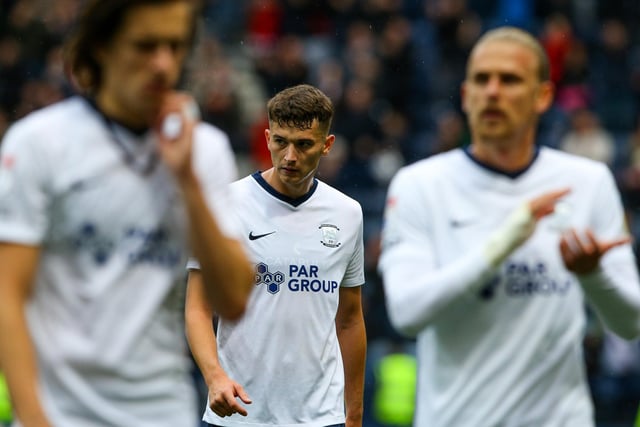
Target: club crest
x=329, y=235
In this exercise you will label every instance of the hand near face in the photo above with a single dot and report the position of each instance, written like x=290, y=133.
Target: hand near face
x=582, y=255
x=174, y=129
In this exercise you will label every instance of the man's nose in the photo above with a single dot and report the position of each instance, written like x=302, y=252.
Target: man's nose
x=290, y=154
x=493, y=86
x=164, y=57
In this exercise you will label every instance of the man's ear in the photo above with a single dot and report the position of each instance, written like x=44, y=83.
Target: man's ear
x=545, y=96
x=328, y=143
x=463, y=97
x=267, y=133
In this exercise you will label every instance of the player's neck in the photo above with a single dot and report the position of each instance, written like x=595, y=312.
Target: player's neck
x=508, y=157
x=113, y=111
x=290, y=190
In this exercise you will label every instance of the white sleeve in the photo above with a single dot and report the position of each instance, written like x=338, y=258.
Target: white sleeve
x=614, y=289
x=416, y=287
x=24, y=187
x=354, y=275
x=215, y=165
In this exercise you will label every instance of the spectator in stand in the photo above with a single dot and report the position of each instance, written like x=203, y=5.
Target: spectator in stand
x=587, y=138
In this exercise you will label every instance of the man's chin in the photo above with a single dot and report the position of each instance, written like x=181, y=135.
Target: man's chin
x=493, y=130
x=494, y=137
x=288, y=174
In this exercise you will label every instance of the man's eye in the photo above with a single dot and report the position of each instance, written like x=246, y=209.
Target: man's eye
x=148, y=46
x=481, y=78
x=510, y=79
x=145, y=46
x=177, y=46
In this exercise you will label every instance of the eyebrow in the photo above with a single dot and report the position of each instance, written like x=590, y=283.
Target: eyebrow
x=278, y=136
x=501, y=74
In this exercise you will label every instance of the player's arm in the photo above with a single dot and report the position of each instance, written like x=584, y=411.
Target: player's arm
x=18, y=264
x=417, y=288
x=604, y=263
x=224, y=265
x=227, y=274
x=202, y=341
x=353, y=345
x=613, y=289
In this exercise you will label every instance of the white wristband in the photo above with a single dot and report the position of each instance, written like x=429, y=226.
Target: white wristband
x=518, y=227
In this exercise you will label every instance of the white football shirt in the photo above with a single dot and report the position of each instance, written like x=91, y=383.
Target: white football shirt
x=285, y=351
x=106, y=314
x=498, y=347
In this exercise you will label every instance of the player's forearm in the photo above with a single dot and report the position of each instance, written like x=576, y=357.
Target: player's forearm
x=418, y=289
x=202, y=342
x=18, y=363
x=353, y=345
x=226, y=271
x=614, y=292
x=416, y=296
x=199, y=329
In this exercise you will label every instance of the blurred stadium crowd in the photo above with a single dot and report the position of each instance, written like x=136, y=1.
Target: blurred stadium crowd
x=393, y=69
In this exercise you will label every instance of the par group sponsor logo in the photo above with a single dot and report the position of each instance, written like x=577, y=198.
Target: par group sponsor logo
x=298, y=278
x=521, y=279
x=138, y=245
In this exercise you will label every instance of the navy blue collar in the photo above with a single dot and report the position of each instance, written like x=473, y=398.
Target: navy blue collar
x=293, y=201
x=144, y=166
x=512, y=175
x=136, y=131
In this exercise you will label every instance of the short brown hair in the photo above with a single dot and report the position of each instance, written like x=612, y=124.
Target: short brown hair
x=523, y=38
x=299, y=106
x=99, y=22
